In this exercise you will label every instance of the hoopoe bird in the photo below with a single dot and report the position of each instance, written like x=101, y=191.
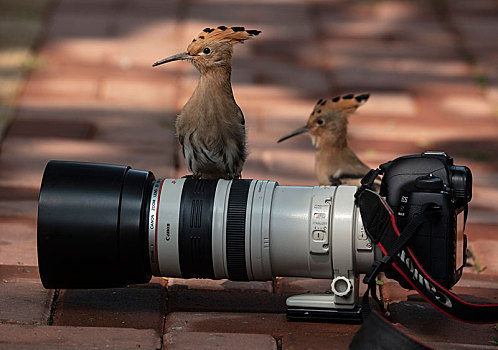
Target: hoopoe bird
x=211, y=127
x=335, y=163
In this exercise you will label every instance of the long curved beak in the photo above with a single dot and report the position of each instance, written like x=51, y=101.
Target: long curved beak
x=301, y=130
x=181, y=56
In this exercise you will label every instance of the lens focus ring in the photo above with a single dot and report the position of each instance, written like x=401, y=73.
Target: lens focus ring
x=235, y=230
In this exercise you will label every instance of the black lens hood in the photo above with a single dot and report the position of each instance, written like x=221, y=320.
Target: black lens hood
x=92, y=225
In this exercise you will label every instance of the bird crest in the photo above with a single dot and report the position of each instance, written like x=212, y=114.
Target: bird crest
x=230, y=35
x=340, y=105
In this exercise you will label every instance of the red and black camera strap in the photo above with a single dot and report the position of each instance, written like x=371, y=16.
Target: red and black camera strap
x=380, y=225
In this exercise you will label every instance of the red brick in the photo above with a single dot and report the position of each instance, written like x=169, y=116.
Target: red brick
x=291, y=285
x=337, y=26
x=424, y=322
x=476, y=230
x=23, y=298
x=326, y=340
x=485, y=250
x=147, y=8
x=276, y=163
x=60, y=88
x=18, y=193
x=195, y=340
x=252, y=323
x=91, y=6
x=295, y=50
x=306, y=80
x=76, y=25
x=50, y=337
x=150, y=134
x=255, y=17
x=484, y=195
x=465, y=106
x=396, y=74
x=19, y=273
x=478, y=32
x=395, y=104
x=293, y=334
x=217, y=300
x=24, y=160
x=482, y=216
x=18, y=246
x=394, y=11
x=441, y=131
x=137, y=92
x=374, y=50
x=140, y=307
x=34, y=127
x=481, y=8
x=19, y=209
x=62, y=57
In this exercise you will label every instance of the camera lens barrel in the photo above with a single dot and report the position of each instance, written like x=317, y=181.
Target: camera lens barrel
x=102, y=226
x=254, y=229
x=91, y=228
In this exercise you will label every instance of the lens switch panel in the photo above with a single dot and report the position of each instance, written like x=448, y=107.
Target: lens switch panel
x=319, y=230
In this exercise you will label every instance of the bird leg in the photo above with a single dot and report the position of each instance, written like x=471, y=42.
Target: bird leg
x=229, y=176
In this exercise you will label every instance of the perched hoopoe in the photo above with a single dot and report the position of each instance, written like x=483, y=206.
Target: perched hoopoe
x=210, y=126
x=335, y=162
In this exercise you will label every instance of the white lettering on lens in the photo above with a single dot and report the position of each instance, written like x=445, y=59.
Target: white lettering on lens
x=168, y=233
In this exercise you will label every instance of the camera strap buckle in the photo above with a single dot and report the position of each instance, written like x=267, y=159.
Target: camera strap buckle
x=368, y=180
x=376, y=268
x=370, y=177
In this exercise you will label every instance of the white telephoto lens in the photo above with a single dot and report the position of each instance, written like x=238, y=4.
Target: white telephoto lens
x=254, y=230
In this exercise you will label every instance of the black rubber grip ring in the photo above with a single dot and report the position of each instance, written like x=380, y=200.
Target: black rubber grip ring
x=235, y=230
x=195, y=228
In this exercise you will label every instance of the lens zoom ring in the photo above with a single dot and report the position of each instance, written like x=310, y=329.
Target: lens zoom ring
x=235, y=230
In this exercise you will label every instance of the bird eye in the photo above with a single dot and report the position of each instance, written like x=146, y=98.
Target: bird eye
x=206, y=50
x=319, y=121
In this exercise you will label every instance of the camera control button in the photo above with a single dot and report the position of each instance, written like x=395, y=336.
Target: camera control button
x=429, y=183
x=318, y=235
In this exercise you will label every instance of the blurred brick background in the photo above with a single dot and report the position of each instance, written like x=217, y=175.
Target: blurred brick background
x=76, y=83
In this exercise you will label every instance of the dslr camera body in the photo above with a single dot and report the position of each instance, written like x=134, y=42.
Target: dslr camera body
x=412, y=184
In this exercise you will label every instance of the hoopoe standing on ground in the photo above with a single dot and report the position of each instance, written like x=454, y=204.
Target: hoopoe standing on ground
x=335, y=163
x=210, y=126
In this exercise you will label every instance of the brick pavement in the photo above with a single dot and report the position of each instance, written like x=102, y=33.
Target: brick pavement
x=428, y=66
x=21, y=26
